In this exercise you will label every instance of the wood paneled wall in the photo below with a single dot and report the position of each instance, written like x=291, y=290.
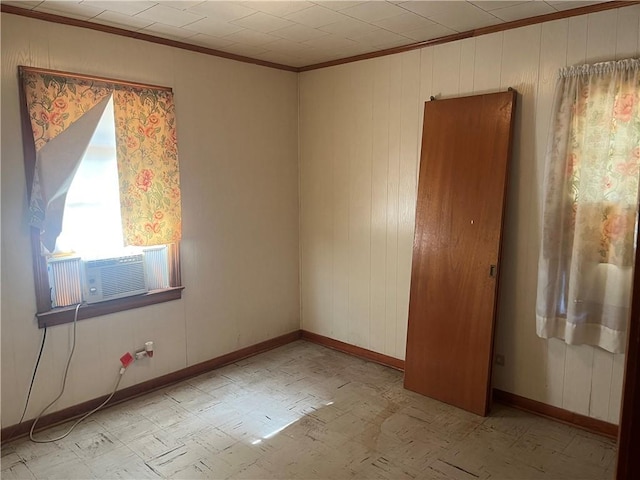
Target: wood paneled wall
x=360, y=129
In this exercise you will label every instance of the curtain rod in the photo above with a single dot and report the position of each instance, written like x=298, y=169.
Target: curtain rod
x=23, y=68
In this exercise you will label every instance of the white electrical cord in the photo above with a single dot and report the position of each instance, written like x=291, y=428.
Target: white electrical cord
x=64, y=382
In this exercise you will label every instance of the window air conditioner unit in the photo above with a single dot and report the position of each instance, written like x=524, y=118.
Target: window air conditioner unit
x=113, y=278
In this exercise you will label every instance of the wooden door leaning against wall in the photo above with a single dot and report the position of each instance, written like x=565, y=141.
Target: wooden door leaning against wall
x=466, y=145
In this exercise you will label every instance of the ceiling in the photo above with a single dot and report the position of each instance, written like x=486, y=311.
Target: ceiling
x=298, y=33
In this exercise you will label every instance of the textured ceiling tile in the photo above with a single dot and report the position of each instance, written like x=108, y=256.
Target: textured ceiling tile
x=429, y=8
x=349, y=28
x=78, y=10
x=289, y=48
x=489, y=6
x=404, y=23
x=125, y=8
x=262, y=22
x=357, y=49
x=76, y=16
x=251, y=37
x=382, y=39
x=179, y=4
x=223, y=11
x=315, y=16
x=280, y=8
x=167, y=31
x=209, y=41
x=332, y=44
x=213, y=27
x=299, y=33
x=119, y=20
x=429, y=32
x=373, y=11
x=567, y=5
x=169, y=16
x=338, y=5
x=246, y=50
x=391, y=44
x=464, y=16
x=530, y=9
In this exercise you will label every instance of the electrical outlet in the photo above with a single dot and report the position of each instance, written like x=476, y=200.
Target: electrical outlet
x=140, y=354
x=500, y=359
x=147, y=351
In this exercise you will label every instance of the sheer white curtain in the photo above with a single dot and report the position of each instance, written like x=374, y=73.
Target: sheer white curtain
x=590, y=206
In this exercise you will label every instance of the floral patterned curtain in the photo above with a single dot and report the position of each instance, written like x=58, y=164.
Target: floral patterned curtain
x=55, y=103
x=147, y=166
x=591, y=205
x=146, y=148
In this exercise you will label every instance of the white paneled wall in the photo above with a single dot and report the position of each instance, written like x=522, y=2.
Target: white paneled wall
x=358, y=181
x=360, y=130
x=237, y=134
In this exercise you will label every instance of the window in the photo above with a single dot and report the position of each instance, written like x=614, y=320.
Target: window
x=103, y=182
x=591, y=206
x=92, y=225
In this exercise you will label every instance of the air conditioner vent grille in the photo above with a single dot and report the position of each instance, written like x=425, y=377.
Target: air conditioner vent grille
x=119, y=279
x=113, y=278
x=157, y=267
x=64, y=279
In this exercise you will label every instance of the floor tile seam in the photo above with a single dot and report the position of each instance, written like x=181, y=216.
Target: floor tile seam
x=157, y=412
x=182, y=388
x=24, y=459
x=582, y=458
x=14, y=464
x=97, y=455
x=515, y=438
x=61, y=450
x=137, y=458
x=533, y=462
x=146, y=464
x=459, y=441
x=75, y=460
x=174, y=401
x=156, y=455
x=31, y=471
x=212, y=448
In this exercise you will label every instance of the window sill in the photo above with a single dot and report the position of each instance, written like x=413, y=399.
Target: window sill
x=58, y=316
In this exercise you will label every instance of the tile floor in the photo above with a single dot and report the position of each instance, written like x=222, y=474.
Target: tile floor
x=306, y=412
